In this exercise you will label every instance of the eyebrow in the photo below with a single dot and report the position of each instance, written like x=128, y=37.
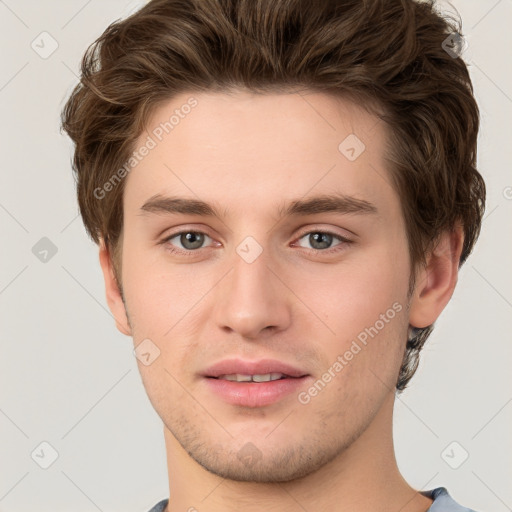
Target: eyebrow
x=327, y=203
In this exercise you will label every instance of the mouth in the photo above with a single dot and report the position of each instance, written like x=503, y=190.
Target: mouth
x=263, y=370
x=254, y=384
x=266, y=377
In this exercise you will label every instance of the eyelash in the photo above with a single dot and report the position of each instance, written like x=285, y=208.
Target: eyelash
x=337, y=248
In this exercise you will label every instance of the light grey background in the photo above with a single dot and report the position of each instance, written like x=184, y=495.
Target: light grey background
x=68, y=378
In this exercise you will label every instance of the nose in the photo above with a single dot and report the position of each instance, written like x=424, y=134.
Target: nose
x=253, y=299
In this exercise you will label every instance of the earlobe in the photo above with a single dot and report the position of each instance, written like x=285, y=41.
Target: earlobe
x=436, y=282
x=113, y=294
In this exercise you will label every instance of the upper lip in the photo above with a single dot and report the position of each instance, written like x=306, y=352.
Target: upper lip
x=261, y=367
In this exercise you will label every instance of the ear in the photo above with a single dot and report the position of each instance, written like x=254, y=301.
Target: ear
x=113, y=294
x=436, y=282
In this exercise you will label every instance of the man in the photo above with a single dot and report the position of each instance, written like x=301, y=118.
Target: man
x=283, y=192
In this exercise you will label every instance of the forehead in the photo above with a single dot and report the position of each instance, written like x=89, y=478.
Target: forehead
x=253, y=149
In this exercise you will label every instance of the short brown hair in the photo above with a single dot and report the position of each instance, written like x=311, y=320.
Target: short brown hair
x=391, y=53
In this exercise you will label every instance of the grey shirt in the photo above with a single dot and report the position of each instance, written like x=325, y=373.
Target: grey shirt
x=443, y=502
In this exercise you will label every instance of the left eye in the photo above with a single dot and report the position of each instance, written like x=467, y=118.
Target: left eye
x=322, y=239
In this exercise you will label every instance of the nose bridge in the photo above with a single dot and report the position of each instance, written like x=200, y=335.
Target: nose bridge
x=251, y=298
x=251, y=269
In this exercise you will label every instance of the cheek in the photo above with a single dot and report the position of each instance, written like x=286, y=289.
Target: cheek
x=354, y=296
x=365, y=307
x=157, y=292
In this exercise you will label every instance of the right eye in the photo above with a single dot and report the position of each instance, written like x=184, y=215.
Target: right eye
x=190, y=241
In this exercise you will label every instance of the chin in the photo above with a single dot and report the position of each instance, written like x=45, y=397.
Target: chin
x=250, y=465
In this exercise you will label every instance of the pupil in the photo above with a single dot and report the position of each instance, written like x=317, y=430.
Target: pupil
x=192, y=240
x=323, y=244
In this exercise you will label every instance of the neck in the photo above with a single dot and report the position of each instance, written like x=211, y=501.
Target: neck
x=363, y=477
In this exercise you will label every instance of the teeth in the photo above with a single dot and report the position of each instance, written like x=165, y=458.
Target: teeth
x=237, y=377
x=262, y=378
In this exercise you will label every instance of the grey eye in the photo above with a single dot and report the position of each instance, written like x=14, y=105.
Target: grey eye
x=189, y=240
x=320, y=240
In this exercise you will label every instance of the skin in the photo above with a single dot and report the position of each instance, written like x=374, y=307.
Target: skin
x=251, y=154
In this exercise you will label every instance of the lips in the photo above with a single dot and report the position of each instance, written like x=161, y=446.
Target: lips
x=253, y=383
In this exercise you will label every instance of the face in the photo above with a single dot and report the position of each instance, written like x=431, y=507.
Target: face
x=274, y=280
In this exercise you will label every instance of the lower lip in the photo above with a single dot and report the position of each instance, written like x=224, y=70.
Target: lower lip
x=254, y=394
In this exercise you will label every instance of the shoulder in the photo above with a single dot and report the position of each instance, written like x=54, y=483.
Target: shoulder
x=443, y=502
x=160, y=506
